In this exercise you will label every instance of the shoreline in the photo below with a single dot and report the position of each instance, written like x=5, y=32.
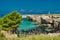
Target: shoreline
x=24, y=15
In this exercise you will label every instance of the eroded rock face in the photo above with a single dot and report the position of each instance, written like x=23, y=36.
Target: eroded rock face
x=38, y=19
x=45, y=17
x=33, y=18
x=55, y=24
x=30, y=17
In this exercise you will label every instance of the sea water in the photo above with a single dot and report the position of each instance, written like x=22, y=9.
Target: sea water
x=26, y=25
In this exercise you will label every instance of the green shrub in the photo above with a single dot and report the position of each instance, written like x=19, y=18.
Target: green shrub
x=10, y=21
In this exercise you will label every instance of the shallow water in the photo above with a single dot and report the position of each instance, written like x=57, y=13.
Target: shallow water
x=26, y=25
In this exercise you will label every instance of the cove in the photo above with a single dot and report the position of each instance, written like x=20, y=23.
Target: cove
x=26, y=25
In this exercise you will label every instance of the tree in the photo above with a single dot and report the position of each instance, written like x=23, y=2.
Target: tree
x=10, y=21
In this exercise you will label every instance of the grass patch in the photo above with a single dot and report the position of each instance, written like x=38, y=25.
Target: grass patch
x=33, y=37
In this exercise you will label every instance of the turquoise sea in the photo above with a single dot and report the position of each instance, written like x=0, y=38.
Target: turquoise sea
x=26, y=25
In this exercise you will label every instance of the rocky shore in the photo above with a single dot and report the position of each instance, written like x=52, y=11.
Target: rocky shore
x=51, y=21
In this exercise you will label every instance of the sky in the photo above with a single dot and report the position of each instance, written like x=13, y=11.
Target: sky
x=22, y=5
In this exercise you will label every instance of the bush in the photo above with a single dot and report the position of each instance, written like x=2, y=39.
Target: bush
x=10, y=21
